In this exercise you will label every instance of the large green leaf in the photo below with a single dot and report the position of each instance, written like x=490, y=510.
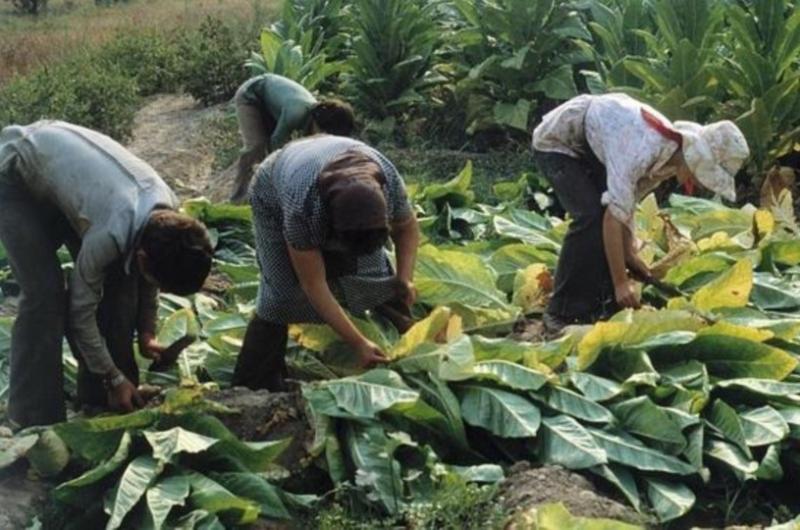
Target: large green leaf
x=73, y=490
x=641, y=417
x=732, y=357
x=595, y=387
x=762, y=387
x=729, y=454
x=624, y=449
x=573, y=404
x=366, y=395
x=670, y=500
x=725, y=418
x=449, y=362
x=771, y=293
x=527, y=227
x=557, y=517
x=135, y=480
x=165, y=495
x=242, y=456
x=456, y=192
x=372, y=453
x=764, y=426
x=166, y=444
x=97, y=439
x=446, y=276
x=563, y=441
x=770, y=466
x=623, y=479
x=511, y=375
x=252, y=486
x=503, y=413
x=209, y=495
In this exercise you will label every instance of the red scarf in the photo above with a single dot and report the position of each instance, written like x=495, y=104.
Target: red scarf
x=670, y=134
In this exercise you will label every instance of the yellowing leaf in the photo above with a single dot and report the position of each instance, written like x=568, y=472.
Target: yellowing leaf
x=721, y=240
x=731, y=289
x=426, y=330
x=602, y=335
x=532, y=287
x=763, y=222
x=735, y=330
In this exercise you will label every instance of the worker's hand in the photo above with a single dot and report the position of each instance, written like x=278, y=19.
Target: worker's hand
x=638, y=268
x=626, y=295
x=369, y=354
x=407, y=292
x=124, y=397
x=149, y=347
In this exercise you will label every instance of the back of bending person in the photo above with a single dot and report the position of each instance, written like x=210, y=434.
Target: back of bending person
x=602, y=154
x=269, y=109
x=323, y=210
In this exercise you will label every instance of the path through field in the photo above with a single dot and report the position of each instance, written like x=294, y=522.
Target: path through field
x=169, y=134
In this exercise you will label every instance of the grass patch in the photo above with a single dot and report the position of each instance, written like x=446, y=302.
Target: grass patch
x=70, y=27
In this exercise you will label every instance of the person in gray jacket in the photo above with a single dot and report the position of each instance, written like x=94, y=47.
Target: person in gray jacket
x=61, y=184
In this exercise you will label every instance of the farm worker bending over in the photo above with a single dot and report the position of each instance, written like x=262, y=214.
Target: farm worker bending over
x=64, y=184
x=323, y=209
x=269, y=108
x=602, y=154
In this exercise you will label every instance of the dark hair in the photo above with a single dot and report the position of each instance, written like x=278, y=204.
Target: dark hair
x=362, y=242
x=178, y=251
x=351, y=187
x=334, y=116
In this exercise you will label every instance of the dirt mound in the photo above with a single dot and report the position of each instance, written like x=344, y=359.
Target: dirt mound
x=528, y=487
x=261, y=416
x=169, y=134
x=21, y=497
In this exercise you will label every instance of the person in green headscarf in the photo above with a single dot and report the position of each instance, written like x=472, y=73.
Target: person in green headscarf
x=270, y=108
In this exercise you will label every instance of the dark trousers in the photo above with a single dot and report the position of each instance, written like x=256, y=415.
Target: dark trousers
x=583, y=290
x=31, y=232
x=262, y=360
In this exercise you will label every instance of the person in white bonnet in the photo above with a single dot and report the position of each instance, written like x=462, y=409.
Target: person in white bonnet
x=602, y=154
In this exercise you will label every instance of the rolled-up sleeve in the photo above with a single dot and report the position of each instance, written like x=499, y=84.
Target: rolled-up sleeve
x=97, y=252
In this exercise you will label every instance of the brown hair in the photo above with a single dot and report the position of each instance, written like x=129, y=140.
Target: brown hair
x=334, y=116
x=178, y=251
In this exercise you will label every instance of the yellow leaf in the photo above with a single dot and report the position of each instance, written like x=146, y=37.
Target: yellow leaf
x=735, y=330
x=532, y=287
x=730, y=289
x=426, y=330
x=721, y=240
x=764, y=223
x=602, y=335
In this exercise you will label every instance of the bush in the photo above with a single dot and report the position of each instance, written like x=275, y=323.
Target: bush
x=150, y=58
x=212, y=62
x=82, y=91
x=34, y=7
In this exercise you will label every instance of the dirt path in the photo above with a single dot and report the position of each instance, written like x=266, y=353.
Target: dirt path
x=169, y=134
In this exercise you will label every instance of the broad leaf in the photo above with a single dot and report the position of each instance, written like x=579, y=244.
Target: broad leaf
x=209, y=495
x=512, y=375
x=135, y=480
x=252, y=486
x=625, y=449
x=566, y=443
x=503, y=413
x=731, y=289
x=670, y=500
x=165, y=444
x=165, y=495
x=764, y=426
x=366, y=395
x=573, y=404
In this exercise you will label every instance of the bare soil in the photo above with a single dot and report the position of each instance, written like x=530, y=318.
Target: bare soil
x=169, y=134
x=528, y=487
x=20, y=496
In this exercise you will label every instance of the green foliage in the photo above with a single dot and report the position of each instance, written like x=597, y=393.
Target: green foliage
x=504, y=68
x=393, y=51
x=150, y=58
x=83, y=91
x=212, y=61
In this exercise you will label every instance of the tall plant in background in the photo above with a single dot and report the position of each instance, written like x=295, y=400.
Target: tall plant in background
x=511, y=54
x=303, y=44
x=762, y=77
x=392, y=57
x=616, y=26
x=677, y=70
